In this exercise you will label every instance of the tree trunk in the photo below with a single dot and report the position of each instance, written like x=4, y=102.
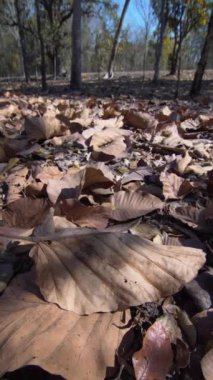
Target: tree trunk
x=174, y=62
x=159, y=47
x=197, y=82
x=76, y=46
x=42, y=49
x=178, y=77
x=115, y=42
x=145, y=55
x=174, y=57
x=21, y=39
x=54, y=64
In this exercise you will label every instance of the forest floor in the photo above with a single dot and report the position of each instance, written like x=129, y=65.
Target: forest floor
x=106, y=220
x=125, y=83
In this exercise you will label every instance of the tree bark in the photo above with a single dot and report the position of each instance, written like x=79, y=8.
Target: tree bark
x=159, y=47
x=22, y=39
x=178, y=77
x=115, y=42
x=174, y=63
x=76, y=46
x=42, y=49
x=174, y=57
x=145, y=56
x=197, y=82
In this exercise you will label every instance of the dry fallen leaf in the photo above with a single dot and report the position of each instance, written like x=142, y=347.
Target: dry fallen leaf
x=8, y=109
x=184, y=322
x=140, y=120
x=164, y=114
x=154, y=359
x=41, y=128
x=172, y=328
x=16, y=181
x=90, y=216
x=203, y=322
x=198, y=218
x=104, y=269
x=182, y=163
x=67, y=186
x=130, y=205
x=45, y=173
x=198, y=169
x=108, y=271
x=98, y=175
x=71, y=184
x=174, y=186
x=109, y=142
x=138, y=174
x=207, y=365
x=33, y=332
x=13, y=147
x=25, y=212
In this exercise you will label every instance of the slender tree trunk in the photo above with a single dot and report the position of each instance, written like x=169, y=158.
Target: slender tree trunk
x=178, y=77
x=55, y=64
x=42, y=49
x=174, y=63
x=21, y=39
x=76, y=46
x=58, y=62
x=174, y=58
x=145, y=54
x=115, y=42
x=197, y=82
x=159, y=47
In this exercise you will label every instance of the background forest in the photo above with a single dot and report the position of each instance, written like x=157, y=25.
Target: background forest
x=20, y=31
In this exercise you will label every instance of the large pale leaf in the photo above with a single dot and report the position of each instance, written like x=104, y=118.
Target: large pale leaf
x=129, y=205
x=110, y=271
x=33, y=332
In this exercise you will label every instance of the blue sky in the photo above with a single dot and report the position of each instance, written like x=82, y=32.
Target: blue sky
x=133, y=17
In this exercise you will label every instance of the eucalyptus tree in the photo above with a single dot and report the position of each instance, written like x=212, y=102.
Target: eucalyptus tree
x=14, y=14
x=185, y=16
x=161, y=9
x=76, y=46
x=208, y=44
x=116, y=40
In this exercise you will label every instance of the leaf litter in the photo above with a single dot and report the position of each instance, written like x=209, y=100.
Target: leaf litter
x=107, y=206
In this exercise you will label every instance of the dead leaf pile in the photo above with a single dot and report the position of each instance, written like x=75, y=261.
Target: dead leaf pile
x=108, y=208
